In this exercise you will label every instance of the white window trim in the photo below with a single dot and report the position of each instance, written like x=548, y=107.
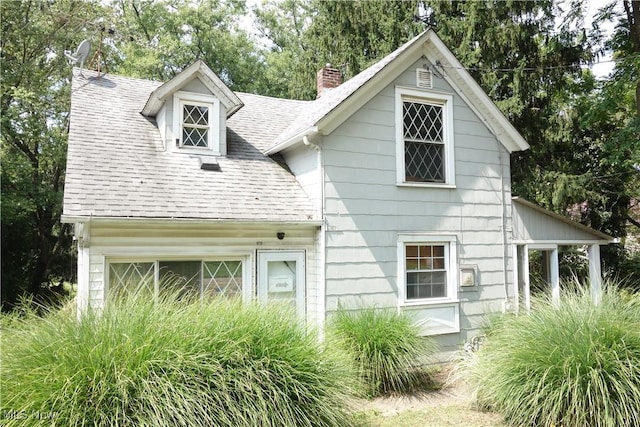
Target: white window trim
x=182, y=97
x=451, y=256
x=246, y=260
x=434, y=98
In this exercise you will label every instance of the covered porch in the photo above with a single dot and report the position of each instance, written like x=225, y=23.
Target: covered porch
x=538, y=229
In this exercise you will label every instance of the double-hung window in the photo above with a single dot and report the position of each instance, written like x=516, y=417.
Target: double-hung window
x=427, y=268
x=196, y=122
x=424, y=133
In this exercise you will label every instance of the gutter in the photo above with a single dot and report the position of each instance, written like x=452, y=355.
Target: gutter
x=309, y=133
x=106, y=220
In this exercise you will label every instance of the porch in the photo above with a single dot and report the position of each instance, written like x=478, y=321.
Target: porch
x=538, y=229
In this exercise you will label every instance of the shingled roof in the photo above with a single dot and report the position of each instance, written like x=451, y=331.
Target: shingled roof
x=117, y=166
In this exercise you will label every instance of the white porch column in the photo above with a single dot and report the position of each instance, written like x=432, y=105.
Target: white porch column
x=595, y=272
x=554, y=275
x=516, y=277
x=82, y=297
x=527, y=277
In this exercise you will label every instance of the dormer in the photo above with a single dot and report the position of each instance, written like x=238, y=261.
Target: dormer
x=191, y=111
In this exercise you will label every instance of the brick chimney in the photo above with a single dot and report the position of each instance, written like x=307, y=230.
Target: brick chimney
x=327, y=78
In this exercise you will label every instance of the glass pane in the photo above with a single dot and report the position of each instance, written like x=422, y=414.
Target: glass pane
x=129, y=278
x=438, y=251
x=222, y=278
x=182, y=277
x=194, y=137
x=281, y=281
x=412, y=264
x=422, y=121
x=438, y=263
x=412, y=251
x=195, y=114
x=424, y=162
x=426, y=284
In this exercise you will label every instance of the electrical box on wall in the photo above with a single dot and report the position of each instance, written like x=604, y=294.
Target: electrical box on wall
x=468, y=277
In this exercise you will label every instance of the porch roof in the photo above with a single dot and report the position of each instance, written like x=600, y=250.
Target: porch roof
x=533, y=224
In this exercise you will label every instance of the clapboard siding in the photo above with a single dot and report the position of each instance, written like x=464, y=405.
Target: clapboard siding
x=365, y=209
x=303, y=162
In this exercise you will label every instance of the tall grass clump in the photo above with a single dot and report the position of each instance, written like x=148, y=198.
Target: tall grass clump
x=171, y=362
x=386, y=347
x=572, y=364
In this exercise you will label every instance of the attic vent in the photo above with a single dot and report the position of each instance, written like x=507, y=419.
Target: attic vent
x=424, y=78
x=209, y=164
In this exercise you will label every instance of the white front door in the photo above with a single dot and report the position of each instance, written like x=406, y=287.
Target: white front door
x=281, y=277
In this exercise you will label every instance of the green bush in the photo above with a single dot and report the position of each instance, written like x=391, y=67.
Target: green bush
x=572, y=364
x=386, y=348
x=169, y=362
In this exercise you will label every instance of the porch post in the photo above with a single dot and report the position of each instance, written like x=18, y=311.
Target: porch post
x=516, y=278
x=526, y=276
x=554, y=275
x=595, y=273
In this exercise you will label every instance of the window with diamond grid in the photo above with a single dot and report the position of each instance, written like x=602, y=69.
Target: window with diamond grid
x=204, y=278
x=195, y=125
x=426, y=271
x=423, y=142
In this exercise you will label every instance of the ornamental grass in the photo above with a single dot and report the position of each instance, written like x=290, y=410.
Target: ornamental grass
x=170, y=361
x=571, y=364
x=386, y=347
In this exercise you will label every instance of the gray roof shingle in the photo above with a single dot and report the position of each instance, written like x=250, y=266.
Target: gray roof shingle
x=117, y=166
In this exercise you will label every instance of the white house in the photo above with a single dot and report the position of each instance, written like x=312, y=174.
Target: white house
x=391, y=189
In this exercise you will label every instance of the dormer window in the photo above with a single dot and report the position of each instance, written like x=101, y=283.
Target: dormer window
x=196, y=122
x=195, y=125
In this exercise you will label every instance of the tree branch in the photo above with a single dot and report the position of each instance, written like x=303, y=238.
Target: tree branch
x=633, y=221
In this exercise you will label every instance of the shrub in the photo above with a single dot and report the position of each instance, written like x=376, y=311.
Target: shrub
x=572, y=364
x=386, y=348
x=192, y=363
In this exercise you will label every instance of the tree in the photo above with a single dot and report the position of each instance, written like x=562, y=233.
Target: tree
x=36, y=248
x=156, y=40
x=580, y=157
x=350, y=35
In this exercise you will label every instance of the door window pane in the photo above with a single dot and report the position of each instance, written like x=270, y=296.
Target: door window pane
x=281, y=281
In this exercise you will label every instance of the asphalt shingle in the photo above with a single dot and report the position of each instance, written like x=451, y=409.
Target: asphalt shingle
x=117, y=165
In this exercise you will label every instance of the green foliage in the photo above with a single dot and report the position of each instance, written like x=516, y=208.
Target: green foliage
x=351, y=35
x=386, y=347
x=575, y=363
x=172, y=362
x=158, y=39
x=34, y=89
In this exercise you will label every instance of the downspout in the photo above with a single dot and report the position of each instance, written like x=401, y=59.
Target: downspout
x=321, y=302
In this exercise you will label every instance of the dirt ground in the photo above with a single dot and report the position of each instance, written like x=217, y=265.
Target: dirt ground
x=451, y=405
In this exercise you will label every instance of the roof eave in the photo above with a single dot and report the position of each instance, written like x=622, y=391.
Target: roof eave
x=310, y=132
x=500, y=125
x=198, y=69
x=81, y=219
x=493, y=118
